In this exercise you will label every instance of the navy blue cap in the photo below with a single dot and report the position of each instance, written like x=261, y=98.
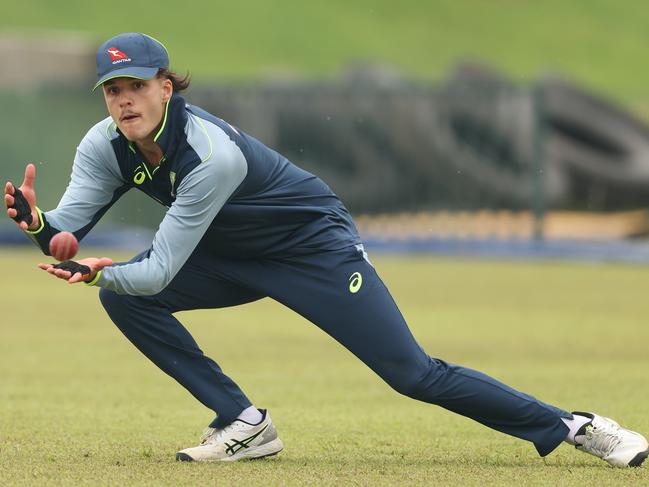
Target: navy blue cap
x=133, y=55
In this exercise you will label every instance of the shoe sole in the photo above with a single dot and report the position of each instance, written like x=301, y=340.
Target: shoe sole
x=262, y=451
x=639, y=458
x=183, y=457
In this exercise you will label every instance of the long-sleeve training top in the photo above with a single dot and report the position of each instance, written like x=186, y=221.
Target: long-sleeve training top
x=224, y=190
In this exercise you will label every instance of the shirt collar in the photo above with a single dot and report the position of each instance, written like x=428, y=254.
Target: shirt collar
x=174, y=120
x=173, y=124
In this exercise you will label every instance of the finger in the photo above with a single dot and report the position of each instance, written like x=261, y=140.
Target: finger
x=12, y=212
x=53, y=270
x=44, y=266
x=9, y=188
x=61, y=274
x=76, y=278
x=23, y=225
x=104, y=262
x=9, y=200
x=30, y=175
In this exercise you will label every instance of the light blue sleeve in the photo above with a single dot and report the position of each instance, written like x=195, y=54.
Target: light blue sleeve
x=200, y=196
x=95, y=184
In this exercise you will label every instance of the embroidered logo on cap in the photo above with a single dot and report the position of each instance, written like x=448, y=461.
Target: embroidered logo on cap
x=117, y=56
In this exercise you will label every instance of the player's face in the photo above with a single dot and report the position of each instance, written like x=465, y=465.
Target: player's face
x=137, y=106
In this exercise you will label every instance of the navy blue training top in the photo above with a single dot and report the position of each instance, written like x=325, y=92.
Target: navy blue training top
x=225, y=190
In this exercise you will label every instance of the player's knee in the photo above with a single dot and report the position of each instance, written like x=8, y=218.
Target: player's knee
x=122, y=307
x=111, y=301
x=418, y=381
x=408, y=386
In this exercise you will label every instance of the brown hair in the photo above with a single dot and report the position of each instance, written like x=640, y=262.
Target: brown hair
x=180, y=83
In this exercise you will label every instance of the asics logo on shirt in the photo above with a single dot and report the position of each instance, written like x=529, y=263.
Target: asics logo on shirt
x=139, y=176
x=355, y=282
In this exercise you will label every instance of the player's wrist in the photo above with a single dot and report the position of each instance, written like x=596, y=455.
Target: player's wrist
x=37, y=222
x=92, y=279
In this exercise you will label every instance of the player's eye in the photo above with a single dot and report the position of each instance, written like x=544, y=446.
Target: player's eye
x=112, y=90
x=138, y=85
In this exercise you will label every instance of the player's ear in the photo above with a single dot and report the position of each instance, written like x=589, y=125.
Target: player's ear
x=167, y=89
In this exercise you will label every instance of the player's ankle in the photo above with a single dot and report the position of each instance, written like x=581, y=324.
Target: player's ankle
x=575, y=424
x=251, y=415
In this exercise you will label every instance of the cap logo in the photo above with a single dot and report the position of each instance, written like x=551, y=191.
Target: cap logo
x=117, y=56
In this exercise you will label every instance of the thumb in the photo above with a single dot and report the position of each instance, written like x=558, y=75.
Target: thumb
x=103, y=262
x=30, y=176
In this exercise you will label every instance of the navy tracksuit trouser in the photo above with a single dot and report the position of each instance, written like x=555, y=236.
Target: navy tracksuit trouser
x=341, y=293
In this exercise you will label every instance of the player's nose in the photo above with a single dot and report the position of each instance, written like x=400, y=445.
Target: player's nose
x=125, y=99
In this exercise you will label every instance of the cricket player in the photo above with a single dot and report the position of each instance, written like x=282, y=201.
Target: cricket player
x=245, y=223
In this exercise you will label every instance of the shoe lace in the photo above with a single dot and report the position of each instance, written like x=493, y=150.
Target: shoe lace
x=214, y=435
x=210, y=435
x=602, y=438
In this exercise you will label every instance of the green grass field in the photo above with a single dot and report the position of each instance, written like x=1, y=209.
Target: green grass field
x=80, y=406
x=600, y=43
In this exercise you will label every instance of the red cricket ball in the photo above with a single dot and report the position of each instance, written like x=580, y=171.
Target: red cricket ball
x=64, y=246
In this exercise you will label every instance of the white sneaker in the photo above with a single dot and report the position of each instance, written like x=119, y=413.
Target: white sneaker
x=607, y=440
x=236, y=441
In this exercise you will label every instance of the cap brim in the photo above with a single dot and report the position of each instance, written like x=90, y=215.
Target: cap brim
x=129, y=72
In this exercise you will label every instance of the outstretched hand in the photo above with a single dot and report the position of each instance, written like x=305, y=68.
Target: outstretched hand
x=13, y=204
x=93, y=266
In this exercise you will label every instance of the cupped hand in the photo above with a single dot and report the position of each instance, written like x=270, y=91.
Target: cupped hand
x=93, y=263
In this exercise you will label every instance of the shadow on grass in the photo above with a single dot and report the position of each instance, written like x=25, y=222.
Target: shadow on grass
x=347, y=460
